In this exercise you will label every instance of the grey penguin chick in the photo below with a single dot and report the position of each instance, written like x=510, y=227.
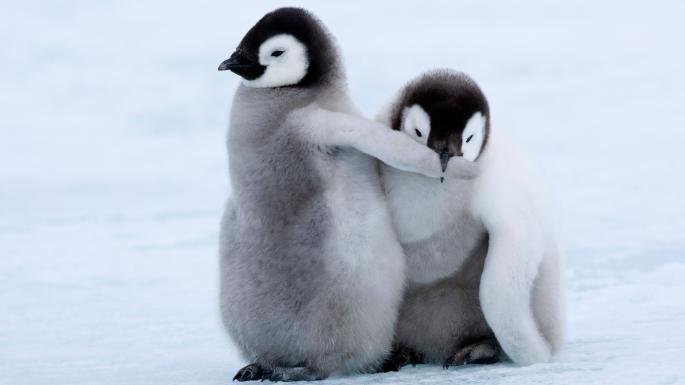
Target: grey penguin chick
x=311, y=269
x=482, y=255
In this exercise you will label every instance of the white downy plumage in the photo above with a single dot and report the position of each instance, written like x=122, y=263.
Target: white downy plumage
x=519, y=296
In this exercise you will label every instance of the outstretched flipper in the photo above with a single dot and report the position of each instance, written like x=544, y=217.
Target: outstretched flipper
x=336, y=129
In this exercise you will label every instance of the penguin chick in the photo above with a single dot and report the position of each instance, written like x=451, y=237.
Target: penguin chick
x=312, y=272
x=482, y=254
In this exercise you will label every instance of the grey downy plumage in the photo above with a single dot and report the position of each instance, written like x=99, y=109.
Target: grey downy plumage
x=312, y=272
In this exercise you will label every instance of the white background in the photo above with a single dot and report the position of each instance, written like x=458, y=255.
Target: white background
x=113, y=174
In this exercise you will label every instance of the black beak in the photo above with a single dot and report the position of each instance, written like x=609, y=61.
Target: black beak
x=241, y=65
x=236, y=61
x=444, y=159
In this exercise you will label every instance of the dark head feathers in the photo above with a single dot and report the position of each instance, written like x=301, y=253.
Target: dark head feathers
x=450, y=98
x=305, y=27
x=439, y=92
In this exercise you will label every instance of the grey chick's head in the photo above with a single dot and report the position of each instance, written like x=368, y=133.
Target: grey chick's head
x=288, y=47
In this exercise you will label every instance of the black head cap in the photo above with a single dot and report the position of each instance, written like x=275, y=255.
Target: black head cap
x=450, y=99
x=303, y=26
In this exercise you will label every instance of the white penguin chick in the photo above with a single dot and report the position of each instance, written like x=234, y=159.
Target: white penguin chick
x=312, y=272
x=481, y=247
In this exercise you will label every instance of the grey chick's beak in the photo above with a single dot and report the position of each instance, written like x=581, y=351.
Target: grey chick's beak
x=242, y=65
x=444, y=159
x=236, y=61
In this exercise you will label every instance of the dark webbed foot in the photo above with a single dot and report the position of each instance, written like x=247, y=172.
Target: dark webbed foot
x=399, y=357
x=254, y=372
x=251, y=372
x=296, y=373
x=486, y=351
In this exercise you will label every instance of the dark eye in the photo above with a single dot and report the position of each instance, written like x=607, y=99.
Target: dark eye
x=418, y=133
x=277, y=53
x=469, y=138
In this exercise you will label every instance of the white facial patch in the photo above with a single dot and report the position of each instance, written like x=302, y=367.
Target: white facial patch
x=473, y=136
x=416, y=123
x=286, y=62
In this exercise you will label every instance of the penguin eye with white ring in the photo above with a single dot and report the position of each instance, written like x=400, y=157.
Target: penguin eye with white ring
x=284, y=60
x=473, y=137
x=416, y=123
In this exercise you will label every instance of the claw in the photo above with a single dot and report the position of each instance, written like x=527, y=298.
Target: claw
x=251, y=372
x=486, y=351
x=399, y=357
x=254, y=372
x=457, y=359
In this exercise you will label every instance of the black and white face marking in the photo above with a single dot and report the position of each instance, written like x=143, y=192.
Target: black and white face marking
x=275, y=53
x=446, y=111
x=473, y=137
x=416, y=123
x=285, y=61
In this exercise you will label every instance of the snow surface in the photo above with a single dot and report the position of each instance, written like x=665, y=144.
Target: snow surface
x=113, y=175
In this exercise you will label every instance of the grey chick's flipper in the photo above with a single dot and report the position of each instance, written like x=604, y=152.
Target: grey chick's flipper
x=486, y=351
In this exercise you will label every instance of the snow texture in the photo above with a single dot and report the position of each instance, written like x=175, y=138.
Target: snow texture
x=113, y=175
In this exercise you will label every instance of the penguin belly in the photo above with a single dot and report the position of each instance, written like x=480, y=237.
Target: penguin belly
x=439, y=318
x=321, y=288
x=433, y=223
x=445, y=247
x=363, y=252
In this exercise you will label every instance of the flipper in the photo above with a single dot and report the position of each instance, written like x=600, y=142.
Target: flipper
x=329, y=128
x=515, y=212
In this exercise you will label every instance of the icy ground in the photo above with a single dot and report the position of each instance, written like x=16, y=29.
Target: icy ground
x=113, y=175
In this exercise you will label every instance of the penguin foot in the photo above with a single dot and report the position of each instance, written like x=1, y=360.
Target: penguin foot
x=399, y=357
x=251, y=372
x=486, y=351
x=296, y=373
x=254, y=372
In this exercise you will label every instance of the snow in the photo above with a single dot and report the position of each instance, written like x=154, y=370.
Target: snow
x=113, y=175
